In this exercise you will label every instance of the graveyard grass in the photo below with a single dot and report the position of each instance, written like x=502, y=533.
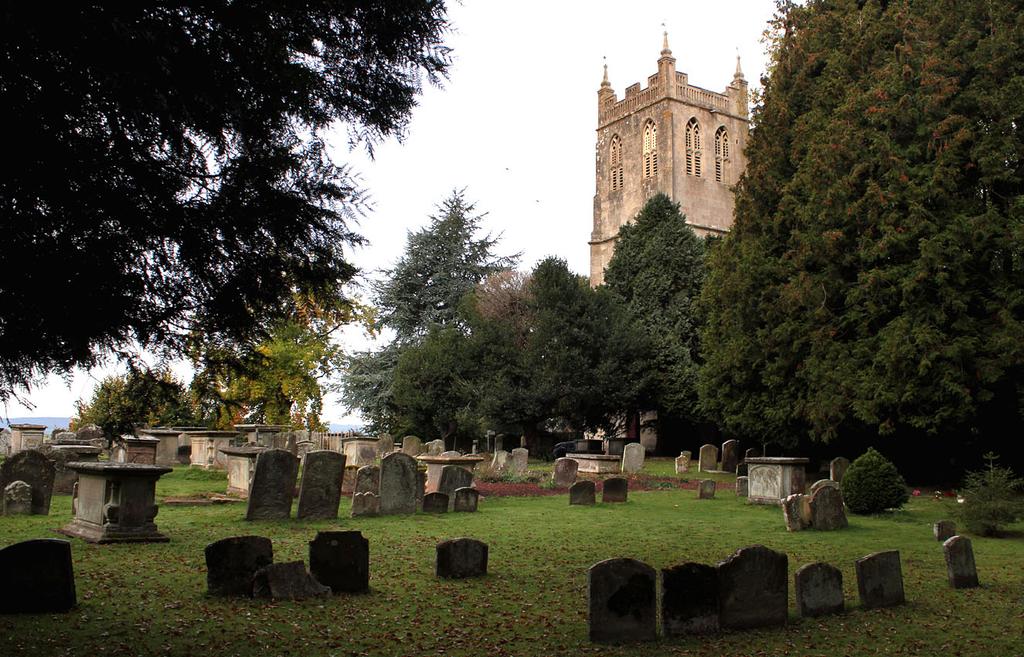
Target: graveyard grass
x=150, y=599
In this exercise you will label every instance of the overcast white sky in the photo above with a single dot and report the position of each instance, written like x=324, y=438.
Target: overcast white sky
x=515, y=126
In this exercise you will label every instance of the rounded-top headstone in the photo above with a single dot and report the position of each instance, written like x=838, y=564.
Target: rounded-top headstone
x=615, y=489
x=273, y=485
x=730, y=455
x=622, y=603
x=583, y=492
x=17, y=499
x=231, y=564
x=753, y=588
x=819, y=590
x=37, y=577
x=32, y=467
x=459, y=558
x=827, y=510
x=452, y=478
x=633, y=458
x=944, y=530
x=963, y=574
x=837, y=468
x=708, y=458
x=880, y=579
x=565, y=472
x=398, y=482
x=341, y=560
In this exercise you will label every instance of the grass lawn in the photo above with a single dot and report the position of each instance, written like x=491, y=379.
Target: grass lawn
x=150, y=599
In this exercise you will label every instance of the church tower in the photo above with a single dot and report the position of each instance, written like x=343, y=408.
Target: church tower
x=669, y=137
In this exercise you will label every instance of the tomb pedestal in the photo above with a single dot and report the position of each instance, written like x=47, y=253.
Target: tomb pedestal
x=241, y=464
x=115, y=503
x=136, y=449
x=207, y=446
x=26, y=436
x=435, y=464
x=65, y=478
x=771, y=479
x=167, y=445
x=597, y=463
x=359, y=451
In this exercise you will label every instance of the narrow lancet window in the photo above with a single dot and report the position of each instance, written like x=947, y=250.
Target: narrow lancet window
x=615, y=166
x=721, y=153
x=694, y=149
x=650, y=150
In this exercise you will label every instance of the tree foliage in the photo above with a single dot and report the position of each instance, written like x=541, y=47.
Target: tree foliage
x=172, y=172
x=872, y=484
x=138, y=398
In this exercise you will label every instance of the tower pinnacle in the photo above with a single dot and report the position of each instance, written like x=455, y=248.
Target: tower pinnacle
x=605, y=82
x=739, y=71
x=665, y=51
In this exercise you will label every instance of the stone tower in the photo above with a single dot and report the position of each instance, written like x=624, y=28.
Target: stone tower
x=670, y=137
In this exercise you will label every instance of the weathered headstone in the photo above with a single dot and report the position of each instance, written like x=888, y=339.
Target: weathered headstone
x=520, y=460
x=398, y=479
x=412, y=446
x=91, y=434
x=17, y=499
x=452, y=478
x=435, y=503
x=742, y=486
x=320, y=489
x=459, y=558
x=615, y=489
x=565, y=472
x=689, y=600
x=367, y=479
x=582, y=492
x=32, y=467
x=796, y=512
x=730, y=455
x=287, y=581
x=632, y=458
x=751, y=453
x=466, y=500
x=452, y=453
x=341, y=560
x=827, y=510
x=880, y=579
x=434, y=447
x=708, y=458
x=365, y=504
x=421, y=487
x=753, y=588
x=837, y=468
x=819, y=590
x=231, y=564
x=683, y=463
x=963, y=574
x=385, y=444
x=706, y=489
x=944, y=530
x=273, y=485
x=500, y=460
x=622, y=605
x=821, y=483
x=37, y=577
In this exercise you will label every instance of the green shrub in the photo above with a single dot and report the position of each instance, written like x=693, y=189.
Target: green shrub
x=992, y=499
x=872, y=484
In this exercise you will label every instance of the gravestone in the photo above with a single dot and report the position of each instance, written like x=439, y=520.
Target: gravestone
x=730, y=455
x=37, y=577
x=683, y=463
x=632, y=458
x=459, y=558
x=385, y=444
x=435, y=503
x=273, y=485
x=231, y=564
x=796, y=512
x=827, y=510
x=398, y=480
x=17, y=499
x=706, y=489
x=320, y=489
x=708, y=459
x=582, y=492
x=880, y=580
x=434, y=447
x=412, y=446
x=341, y=560
x=452, y=478
x=819, y=590
x=621, y=601
x=944, y=530
x=421, y=487
x=742, y=486
x=753, y=588
x=689, y=599
x=565, y=472
x=837, y=468
x=365, y=504
x=500, y=460
x=33, y=468
x=90, y=433
x=520, y=460
x=367, y=479
x=615, y=489
x=751, y=453
x=963, y=574
x=287, y=581
x=821, y=483
x=466, y=500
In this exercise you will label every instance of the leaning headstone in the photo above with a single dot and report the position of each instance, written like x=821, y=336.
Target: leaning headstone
x=37, y=577
x=287, y=581
x=730, y=455
x=341, y=560
x=273, y=485
x=582, y=492
x=452, y=478
x=963, y=574
x=944, y=530
x=689, y=600
x=33, y=468
x=500, y=460
x=412, y=446
x=466, y=500
x=837, y=468
x=231, y=564
x=880, y=579
x=632, y=458
x=753, y=588
x=398, y=479
x=367, y=479
x=827, y=510
x=819, y=590
x=320, y=489
x=365, y=504
x=708, y=458
x=565, y=472
x=742, y=486
x=435, y=503
x=683, y=463
x=622, y=605
x=520, y=459
x=17, y=499
x=459, y=558
x=821, y=483
x=615, y=489
x=706, y=489
x=796, y=512
x=434, y=447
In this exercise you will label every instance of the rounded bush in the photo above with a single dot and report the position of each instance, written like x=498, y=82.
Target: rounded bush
x=872, y=484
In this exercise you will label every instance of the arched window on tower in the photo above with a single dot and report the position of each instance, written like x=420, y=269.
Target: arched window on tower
x=721, y=153
x=615, y=167
x=693, y=148
x=650, y=150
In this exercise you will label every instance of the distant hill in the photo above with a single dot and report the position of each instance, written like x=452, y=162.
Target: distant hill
x=63, y=422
